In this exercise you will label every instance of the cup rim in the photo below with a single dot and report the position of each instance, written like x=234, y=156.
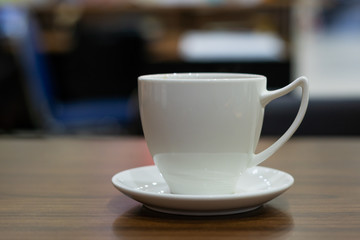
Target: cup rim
x=201, y=76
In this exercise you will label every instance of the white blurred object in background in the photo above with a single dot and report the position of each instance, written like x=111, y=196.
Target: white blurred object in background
x=230, y=46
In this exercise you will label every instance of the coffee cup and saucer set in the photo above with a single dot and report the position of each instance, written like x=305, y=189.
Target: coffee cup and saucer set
x=202, y=130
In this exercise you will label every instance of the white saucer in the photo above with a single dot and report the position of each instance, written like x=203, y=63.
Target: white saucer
x=255, y=187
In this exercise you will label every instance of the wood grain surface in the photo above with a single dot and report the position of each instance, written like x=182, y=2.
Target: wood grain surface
x=60, y=188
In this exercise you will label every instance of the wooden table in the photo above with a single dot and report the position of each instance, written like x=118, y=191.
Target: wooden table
x=60, y=188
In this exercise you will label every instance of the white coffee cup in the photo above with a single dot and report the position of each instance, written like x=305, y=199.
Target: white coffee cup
x=202, y=129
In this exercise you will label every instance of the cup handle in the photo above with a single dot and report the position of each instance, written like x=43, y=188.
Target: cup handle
x=266, y=98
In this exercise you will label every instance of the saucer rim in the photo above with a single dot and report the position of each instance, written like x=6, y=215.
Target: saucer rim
x=215, y=197
x=203, y=205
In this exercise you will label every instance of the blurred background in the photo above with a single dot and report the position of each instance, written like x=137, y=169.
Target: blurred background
x=71, y=67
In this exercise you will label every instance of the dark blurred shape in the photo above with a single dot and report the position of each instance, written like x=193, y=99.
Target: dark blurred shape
x=324, y=117
x=341, y=17
x=90, y=63
x=13, y=110
x=106, y=59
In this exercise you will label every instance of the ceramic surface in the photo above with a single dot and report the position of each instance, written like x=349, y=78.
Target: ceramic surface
x=202, y=128
x=255, y=187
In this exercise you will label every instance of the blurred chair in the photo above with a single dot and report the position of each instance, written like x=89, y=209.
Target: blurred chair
x=52, y=115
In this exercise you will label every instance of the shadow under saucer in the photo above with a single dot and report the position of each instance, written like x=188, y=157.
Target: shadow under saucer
x=265, y=222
